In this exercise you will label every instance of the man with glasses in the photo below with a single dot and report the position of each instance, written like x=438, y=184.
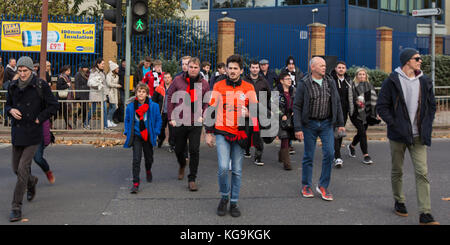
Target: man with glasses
x=30, y=102
x=406, y=103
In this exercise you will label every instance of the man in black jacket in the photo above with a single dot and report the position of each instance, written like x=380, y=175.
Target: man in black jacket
x=10, y=70
x=254, y=136
x=268, y=74
x=407, y=104
x=30, y=102
x=345, y=88
x=142, y=69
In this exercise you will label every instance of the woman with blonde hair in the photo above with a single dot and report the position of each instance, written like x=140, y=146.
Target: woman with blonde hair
x=365, y=99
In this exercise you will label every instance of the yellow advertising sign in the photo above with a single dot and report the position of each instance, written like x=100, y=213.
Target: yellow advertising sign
x=61, y=37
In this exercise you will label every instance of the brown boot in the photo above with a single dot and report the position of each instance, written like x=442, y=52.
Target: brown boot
x=181, y=173
x=286, y=159
x=192, y=186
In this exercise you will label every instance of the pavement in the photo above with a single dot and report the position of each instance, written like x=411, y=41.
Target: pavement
x=92, y=188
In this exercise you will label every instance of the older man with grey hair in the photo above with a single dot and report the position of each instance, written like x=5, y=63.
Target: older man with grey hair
x=317, y=111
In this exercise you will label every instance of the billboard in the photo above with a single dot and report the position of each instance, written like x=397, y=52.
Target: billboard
x=61, y=37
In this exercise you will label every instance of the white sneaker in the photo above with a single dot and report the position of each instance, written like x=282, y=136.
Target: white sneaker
x=338, y=163
x=113, y=124
x=109, y=124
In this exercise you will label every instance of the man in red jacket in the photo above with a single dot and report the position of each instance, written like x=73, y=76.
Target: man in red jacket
x=187, y=117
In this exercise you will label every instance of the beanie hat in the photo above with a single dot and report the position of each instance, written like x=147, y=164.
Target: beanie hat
x=406, y=55
x=25, y=61
x=84, y=65
x=290, y=60
x=112, y=66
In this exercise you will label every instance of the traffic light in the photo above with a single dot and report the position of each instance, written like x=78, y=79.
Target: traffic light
x=114, y=15
x=139, y=11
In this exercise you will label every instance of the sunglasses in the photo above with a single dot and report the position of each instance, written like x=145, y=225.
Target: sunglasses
x=417, y=59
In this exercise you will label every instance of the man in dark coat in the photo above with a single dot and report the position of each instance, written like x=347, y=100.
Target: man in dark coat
x=30, y=102
x=407, y=104
x=10, y=70
x=254, y=134
x=268, y=74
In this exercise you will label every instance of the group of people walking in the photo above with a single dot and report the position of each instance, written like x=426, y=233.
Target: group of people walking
x=311, y=106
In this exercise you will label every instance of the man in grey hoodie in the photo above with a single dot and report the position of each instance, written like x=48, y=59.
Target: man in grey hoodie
x=406, y=103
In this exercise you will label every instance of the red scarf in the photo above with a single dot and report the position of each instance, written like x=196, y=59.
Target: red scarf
x=140, y=112
x=190, y=91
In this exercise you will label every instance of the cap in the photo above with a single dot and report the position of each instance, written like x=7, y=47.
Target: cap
x=263, y=62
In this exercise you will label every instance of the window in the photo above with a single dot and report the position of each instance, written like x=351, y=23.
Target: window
x=362, y=3
x=289, y=2
x=373, y=4
x=419, y=4
x=221, y=3
x=393, y=7
x=402, y=7
x=314, y=1
x=384, y=5
x=265, y=3
x=352, y=2
x=199, y=4
x=242, y=3
x=411, y=6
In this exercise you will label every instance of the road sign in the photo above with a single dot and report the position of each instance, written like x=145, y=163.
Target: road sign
x=426, y=12
x=425, y=30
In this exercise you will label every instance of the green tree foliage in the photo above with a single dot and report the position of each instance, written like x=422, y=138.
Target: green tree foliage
x=34, y=7
x=158, y=9
x=442, y=68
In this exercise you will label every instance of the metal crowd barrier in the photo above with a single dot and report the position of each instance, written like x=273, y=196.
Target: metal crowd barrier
x=72, y=115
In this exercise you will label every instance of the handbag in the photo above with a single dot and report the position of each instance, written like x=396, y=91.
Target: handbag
x=63, y=93
x=287, y=124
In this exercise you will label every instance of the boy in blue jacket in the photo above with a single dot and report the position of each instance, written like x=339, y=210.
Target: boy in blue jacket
x=142, y=126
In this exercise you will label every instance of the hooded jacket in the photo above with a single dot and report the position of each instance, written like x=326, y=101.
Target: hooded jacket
x=392, y=108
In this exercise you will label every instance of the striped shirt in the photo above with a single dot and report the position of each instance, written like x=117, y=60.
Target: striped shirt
x=320, y=103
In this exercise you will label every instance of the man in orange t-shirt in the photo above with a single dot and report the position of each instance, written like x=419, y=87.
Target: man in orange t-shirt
x=231, y=99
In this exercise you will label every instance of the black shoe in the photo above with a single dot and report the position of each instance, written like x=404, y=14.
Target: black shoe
x=247, y=155
x=351, y=151
x=367, y=160
x=222, y=209
x=16, y=215
x=400, y=209
x=171, y=149
x=234, y=210
x=31, y=192
x=159, y=143
x=135, y=188
x=149, y=176
x=427, y=219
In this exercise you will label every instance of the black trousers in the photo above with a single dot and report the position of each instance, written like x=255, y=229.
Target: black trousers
x=162, y=135
x=182, y=135
x=338, y=141
x=257, y=142
x=139, y=146
x=361, y=136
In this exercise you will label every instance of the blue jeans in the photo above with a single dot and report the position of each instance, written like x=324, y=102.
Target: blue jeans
x=39, y=158
x=93, y=109
x=225, y=152
x=324, y=130
x=111, y=110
